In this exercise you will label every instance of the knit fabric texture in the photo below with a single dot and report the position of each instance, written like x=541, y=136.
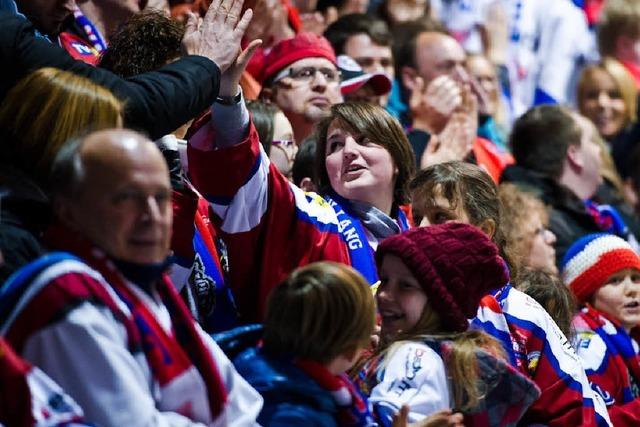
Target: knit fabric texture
x=592, y=259
x=286, y=52
x=456, y=264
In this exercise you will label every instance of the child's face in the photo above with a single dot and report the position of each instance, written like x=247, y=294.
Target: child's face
x=436, y=210
x=620, y=297
x=401, y=300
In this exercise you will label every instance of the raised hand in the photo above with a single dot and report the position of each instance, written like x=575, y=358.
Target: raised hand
x=432, y=108
x=217, y=36
x=231, y=78
x=453, y=143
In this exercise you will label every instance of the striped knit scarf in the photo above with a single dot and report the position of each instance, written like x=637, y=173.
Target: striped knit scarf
x=618, y=342
x=168, y=355
x=352, y=407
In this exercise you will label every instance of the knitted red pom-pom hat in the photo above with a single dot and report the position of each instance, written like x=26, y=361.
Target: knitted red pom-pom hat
x=456, y=264
x=592, y=259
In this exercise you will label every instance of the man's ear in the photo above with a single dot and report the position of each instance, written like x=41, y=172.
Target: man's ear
x=267, y=94
x=488, y=227
x=574, y=157
x=408, y=76
x=63, y=211
x=352, y=355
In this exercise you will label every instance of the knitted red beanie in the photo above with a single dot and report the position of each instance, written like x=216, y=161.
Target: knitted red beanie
x=456, y=264
x=590, y=261
x=303, y=45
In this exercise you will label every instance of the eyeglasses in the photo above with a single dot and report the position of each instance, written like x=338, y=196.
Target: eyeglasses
x=308, y=74
x=283, y=142
x=289, y=149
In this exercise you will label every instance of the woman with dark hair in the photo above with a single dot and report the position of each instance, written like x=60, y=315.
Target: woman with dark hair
x=271, y=226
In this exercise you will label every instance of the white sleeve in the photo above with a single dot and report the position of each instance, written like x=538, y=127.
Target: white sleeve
x=86, y=354
x=563, y=39
x=415, y=376
x=243, y=402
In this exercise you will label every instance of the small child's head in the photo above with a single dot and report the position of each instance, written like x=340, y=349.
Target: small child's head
x=603, y=270
x=551, y=293
x=433, y=278
x=321, y=312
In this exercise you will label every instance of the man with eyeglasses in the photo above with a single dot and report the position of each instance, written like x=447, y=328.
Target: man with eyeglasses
x=301, y=77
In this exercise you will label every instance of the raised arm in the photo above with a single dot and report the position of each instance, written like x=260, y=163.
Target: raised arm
x=156, y=102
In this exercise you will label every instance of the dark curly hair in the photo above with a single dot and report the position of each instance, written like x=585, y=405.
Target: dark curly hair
x=147, y=41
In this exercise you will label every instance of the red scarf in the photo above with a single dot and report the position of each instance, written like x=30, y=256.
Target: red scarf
x=168, y=355
x=352, y=407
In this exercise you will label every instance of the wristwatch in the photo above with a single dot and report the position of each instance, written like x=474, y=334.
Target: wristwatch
x=229, y=100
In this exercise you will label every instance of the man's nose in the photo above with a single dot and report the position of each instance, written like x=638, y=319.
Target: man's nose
x=152, y=209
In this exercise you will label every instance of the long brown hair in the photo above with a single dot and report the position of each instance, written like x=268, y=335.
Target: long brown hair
x=379, y=127
x=47, y=108
x=462, y=182
x=461, y=363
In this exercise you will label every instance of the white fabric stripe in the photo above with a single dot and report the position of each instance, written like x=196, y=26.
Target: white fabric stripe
x=590, y=255
x=51, y=273
x=317, y=208
x=249, y=204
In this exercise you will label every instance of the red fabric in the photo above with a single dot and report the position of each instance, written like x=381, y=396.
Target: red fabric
x=282, y=241
x=168, y=357
x=614, y=378
x=293, y=16
x=286, y=52
x=15, y=404
x=634, y=70
x=595, y=276
x=456, y=264
x=592, y=9
x=490, y=158
x=78, y=48
x=185, y=205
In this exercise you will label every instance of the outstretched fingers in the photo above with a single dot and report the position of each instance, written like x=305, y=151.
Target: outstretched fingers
x=234, y=12
x=212, y=14
x=242, y=26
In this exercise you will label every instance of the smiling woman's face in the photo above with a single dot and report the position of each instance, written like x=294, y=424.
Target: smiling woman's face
x=601, y=102
x=358, y=168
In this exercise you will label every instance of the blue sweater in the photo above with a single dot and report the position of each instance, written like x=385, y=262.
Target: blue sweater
x=291, y=397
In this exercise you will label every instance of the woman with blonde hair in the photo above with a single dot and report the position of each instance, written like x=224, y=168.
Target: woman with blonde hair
x=47, y=108
x=38, y=115
x=607, y=96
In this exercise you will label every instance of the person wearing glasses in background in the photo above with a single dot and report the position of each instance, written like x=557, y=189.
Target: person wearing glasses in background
x=363, y=162
x=275, y=133
x=301, y=77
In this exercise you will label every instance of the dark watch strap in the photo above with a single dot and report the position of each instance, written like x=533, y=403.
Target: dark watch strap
x=229, y=100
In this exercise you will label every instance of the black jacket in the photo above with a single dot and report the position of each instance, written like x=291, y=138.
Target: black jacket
x=24, y=215
x=568, y=217
x=156, y=102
